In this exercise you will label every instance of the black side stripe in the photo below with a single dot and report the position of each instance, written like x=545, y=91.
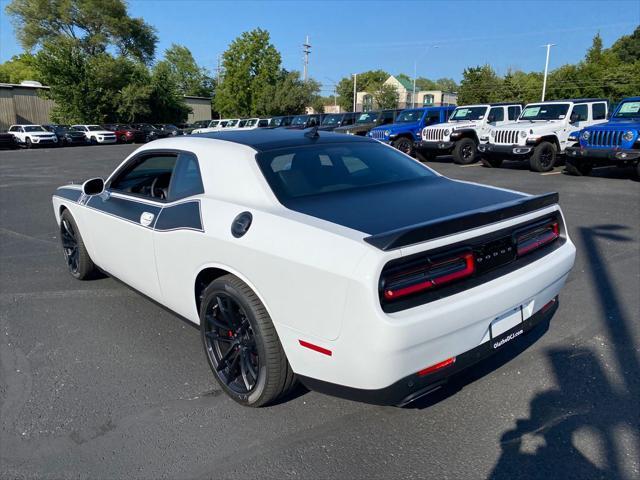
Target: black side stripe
x=125, y=209
x=72, y=194
x=181, y=216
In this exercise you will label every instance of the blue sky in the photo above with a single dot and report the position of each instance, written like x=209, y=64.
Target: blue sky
x=353, y=36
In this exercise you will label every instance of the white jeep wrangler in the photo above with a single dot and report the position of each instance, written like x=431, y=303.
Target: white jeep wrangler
x=464, y=130
x=542, y=132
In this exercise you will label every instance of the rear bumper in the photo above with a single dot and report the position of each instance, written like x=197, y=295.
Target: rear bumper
x=602, y=155
x=516, y=152
x=415, y=386
x=435, y=146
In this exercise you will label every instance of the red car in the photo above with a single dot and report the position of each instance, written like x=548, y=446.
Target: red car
x=126, y=133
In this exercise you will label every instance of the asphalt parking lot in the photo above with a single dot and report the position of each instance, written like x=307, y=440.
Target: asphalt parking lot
x=98, y=382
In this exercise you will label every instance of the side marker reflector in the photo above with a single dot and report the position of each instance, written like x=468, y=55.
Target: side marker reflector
x=437, y=366
x=315, y=348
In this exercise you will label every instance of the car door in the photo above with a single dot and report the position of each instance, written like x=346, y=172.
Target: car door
x=496, y=117
x=178, y=237
x=120, y=221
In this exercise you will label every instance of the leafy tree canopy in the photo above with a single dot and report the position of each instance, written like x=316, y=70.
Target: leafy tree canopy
x=20, y=67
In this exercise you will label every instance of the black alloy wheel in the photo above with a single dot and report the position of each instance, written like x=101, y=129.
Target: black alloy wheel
x=543, y=158
x=465, y=151
x=28, y=143
x=242, y=345
x=70, y=245
x=404, y=145
x=123, y=138
x=231, y=345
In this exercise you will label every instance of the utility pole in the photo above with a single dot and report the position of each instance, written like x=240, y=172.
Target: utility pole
x=219, y=70
x=306, y=49
x=546, y=69
x=355, y=80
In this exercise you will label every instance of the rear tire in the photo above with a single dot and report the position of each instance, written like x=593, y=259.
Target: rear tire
x=579, y=170
x=491, y=161
x=241, y=344
x=465, y=152
x=404, y=145
x=543, y=158
x=75, y=253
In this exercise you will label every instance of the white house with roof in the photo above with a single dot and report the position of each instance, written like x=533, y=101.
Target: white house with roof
x=424, y=98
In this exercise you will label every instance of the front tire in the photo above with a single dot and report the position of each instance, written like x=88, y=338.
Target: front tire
x=123, y=139
x=93, y=141
x=27, y=143
x=543, y=158
x=465, y=152
x=241, y=344
x=75, y=253
x=404, y=145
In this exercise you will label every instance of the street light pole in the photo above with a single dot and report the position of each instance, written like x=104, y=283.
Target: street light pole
x=355, y=80
x=546, y=69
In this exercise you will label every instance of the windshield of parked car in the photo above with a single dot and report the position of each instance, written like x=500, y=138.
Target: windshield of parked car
x=277, y=121
x=34, y=128
x=321, y=169
x=555, y=111
x=251, y=122
x=629, y=109
x=232, y=123
x=367, y=118
x=94, y=128
x=332, y=120
x=299, y=120
x=468, y=113
x=409, y=116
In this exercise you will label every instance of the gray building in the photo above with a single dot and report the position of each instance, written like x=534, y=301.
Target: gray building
x=23, y=103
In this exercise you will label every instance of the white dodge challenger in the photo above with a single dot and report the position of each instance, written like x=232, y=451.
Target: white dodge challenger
x=329, y=259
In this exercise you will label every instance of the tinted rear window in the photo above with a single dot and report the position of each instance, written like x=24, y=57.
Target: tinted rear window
x=322, y=169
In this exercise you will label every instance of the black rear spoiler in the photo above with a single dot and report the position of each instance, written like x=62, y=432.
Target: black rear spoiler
x=441, y=227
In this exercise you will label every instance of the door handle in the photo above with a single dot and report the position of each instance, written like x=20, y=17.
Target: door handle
x=146, y=218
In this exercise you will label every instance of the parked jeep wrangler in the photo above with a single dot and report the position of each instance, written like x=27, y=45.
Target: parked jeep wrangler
x=542, y=132
x=461, y=135
x=365, y=121
x=405, y=132
x=616, y=142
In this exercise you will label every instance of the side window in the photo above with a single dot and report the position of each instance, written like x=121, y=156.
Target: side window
x=599, y=111
x=348, y=119
x=387, y=117
x=580, y=113
x=496, y=114
x=187, y=180
x=432, y=118
x=14, y=129
x=147, y=176
x=514, y=112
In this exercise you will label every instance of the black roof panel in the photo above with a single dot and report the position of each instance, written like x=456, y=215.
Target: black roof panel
x=269, y=139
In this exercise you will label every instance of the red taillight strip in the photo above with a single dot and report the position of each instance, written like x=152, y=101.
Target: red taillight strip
x=535, y=242
x=469, y=268
x=315, y=348
x=437, y=366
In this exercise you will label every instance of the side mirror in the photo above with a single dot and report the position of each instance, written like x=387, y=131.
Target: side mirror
x=94, y=186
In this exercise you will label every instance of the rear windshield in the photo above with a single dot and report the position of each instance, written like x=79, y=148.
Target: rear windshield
x=320, y=169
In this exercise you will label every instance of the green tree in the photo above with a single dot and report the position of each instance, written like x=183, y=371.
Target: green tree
x=166, y=100
x=20, y=67
x=627, y=47
x=365, y=81
x=289, y=95
x=480, y=84
x=424, y=84
x=446, y=85
x=385, y=96
x=191, y=78
x=94, y=25
x=251, y=67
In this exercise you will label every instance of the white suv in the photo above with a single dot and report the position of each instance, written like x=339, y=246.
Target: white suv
x=96, y=134
x=30, y=135
x=464, y=130
x=542, y=132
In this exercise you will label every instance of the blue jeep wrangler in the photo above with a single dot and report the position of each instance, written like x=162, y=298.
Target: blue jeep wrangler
x=405, y=132
x=616, y=142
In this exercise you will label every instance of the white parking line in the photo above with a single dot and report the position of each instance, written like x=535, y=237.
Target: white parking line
x=551, y=173
x=472, y=165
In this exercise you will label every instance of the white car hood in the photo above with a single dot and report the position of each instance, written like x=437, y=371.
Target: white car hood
x=536, y=127
x=456, y=125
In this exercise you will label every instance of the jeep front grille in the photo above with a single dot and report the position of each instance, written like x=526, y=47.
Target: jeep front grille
x=377, y=134
x=605, y=138
x=433, y=134
x=508, y=137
